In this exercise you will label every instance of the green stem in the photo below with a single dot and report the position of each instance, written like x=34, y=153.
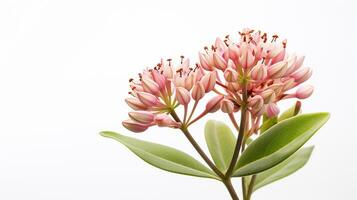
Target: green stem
x=250, y=188
x=244, y=189
x=196, y=146
x=226, y=181
x=241, y=132
x=230, y=188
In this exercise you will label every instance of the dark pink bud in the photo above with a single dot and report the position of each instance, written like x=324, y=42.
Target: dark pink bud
x=256, y=102
x=182, y=96
x=268, y=96
x=227, y=106
x=147, y=99
x=150, y=86
x=135, y=104
x=219, y=62
x=134, y=126
x=259, y=72
x=214, y=104
x=163, y=120
x=198, y=91
x=304, y=92
x=277, y=70
x=159, y=79
x=143, y=117
x=209, y=81
x=302, y=75
x=272, y=110
x=230, y=75
x=205, y=62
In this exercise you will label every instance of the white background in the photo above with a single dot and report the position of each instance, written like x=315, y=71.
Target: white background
x=64, y=68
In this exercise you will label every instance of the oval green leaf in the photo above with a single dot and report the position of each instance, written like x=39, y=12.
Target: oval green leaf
x=278, y=143
x=163, y=157
x=220, y=142
x=267, y=123
x=283, y=169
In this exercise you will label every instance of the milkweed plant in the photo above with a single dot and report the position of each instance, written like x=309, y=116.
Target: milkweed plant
x=246, y=79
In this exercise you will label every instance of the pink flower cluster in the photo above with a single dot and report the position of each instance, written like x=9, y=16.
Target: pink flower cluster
x=254, y=65
x=268, y=71
x=161, y=89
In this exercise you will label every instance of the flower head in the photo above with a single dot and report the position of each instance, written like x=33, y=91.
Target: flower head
x=159, y=90
x=261, y=66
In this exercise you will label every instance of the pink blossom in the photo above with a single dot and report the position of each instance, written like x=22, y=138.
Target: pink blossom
x=263, y=62
x=162, y=89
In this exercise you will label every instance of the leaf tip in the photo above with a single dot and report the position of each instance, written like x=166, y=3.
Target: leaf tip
x=108, y=134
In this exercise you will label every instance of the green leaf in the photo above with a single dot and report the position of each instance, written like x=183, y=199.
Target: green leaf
x=278, y=143
x=283, y=169
x=291, y=112
x=221, y=143
x=163, y=157
x=267, y=123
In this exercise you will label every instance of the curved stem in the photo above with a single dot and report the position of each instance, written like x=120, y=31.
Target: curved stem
x=230, y=188
x=226, y=181
x=250, y=188
x=244, y=188
x=241, y=132
x=196, y=146
x=192, y=111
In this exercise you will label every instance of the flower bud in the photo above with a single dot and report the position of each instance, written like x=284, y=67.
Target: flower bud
x=163, y=120
x=214, y=104
x=150, y=86
x=134, y=126
x=135, y=104
x=247, y=59
x=304, y=92
x=259, y=72
x=147, y=99
x=205, y=63
x=189, y=81
x=198, y=91
x=143, y=117
x=168, y=71
x=219, y=62
x=233, y=51
x=291, y=65
x=256, y=102
x=209, y=81
x=159, y=79
x=278, y=57
x=272, y=110
x=219, y=44
x=277, y=70
x=268, y=96
x=230, y=75
x=302, y=75
x=299, y=62
x=289, y=84
x=233, y=87
x=227, y=106
x=182, y=96
x=258, y=112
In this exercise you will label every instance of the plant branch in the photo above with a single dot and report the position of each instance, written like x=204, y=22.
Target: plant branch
x=230, y=188
x=196, y=146
x=226, y=181
x=250, y=188
x=241, y=132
